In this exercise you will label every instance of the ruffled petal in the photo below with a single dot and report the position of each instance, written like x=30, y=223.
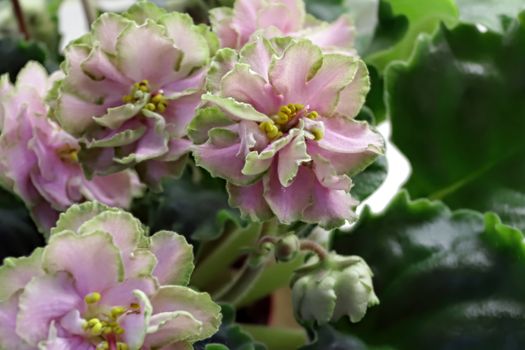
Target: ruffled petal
x=45, y=299
x=288, y=203
x=144, y=53
x=250, y=201
x=338, y=35
x=225, y=162
x=290, y=73
x=8, y=337
x=15, y=273
x=107, y=28
x=291, y=158
x=174, y=256
x=348, y=144
x=221, y=21
x=116, y=190
x=353, y=97
x=76, y=215
x=67, y=251
x=243, y=85
x=169, y=327
x=199, y=305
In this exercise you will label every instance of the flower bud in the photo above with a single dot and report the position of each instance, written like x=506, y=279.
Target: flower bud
x=287, y=248
x=324, y=291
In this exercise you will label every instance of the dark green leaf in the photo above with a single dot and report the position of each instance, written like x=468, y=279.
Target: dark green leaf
x=328, y=338
x=446, y=280
x=230, y=335
x=390, y=28
x=368, y=181
x=15, y=53
x=423, y=17
x=458, y=114
x=18, y=234
x=195, y=205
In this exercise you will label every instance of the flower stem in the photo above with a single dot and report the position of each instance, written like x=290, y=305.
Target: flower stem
x=89, y=12
x=19, y=14
x=315, y=248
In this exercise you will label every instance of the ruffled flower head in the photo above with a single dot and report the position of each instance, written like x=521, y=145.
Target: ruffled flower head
x=39, y=160
x=274, y=18
x=131, y=87
x=279, y=128
x=102, y=284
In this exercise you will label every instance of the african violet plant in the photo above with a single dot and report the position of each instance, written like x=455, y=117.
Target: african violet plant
x=250, y=128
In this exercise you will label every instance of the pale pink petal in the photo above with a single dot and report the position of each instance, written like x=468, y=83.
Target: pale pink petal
x=246, y=86
x=335, y=73
x=69, y=252
x=250, y=200
x=179, y=114
x=289, y=202
x=221, y=22
x=15, y=273
x=174, y=258
x=290, y=73
x=115, y=190
x=290, y=158
x=107, y=29
x=33, y=76
x=348, y=144
x=225, y=162
x=337, y=35
x=169, y=327
x=146, y=54
x=8, y=337
x=353, y=96
x=45, y=299
x=122, y=293
x=331, y=207
x=199, y=305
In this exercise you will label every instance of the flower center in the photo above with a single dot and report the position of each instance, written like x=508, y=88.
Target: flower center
x=68, y=154
x=288, y=117
x=105, y=328
x=156, y=102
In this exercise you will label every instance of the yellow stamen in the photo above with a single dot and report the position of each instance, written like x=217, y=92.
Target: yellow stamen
x=122, y=346
x=117, y=311
x=118, y=330
x=312, y=115
x=103, y=345
x=92, y=298
x=150, y=106
x=68, y=154
x=318, y=133
x=96, y=329
x=157, y=98
x=134, y=306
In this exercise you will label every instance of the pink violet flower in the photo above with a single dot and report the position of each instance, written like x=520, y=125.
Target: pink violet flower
x=38, y=160
x=277, y=18
x=279, y=127
x=131, y=87
x=102, y=284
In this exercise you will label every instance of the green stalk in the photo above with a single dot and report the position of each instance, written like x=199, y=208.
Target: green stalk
x=225, y=254
x=277, y=338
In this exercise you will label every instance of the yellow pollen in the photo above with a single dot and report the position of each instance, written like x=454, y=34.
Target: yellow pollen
x=96, y=329
x=150, y=106
x=117, y=311
x=271, y=130
x=134, y=306
x=118, y=330
x=68, y=154
x=318, y=133
x=312, y=115
x=122, y=346
x=157, y=101
x=92, y=298
x=103, y=345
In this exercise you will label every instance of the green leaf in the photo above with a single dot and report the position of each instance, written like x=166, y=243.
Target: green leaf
x=423, y=17
x=41, y=18
x=446, y=280
x=18, y=234
x=196, y=205
x=458, y=114
x=16, y=53
x=230, y=335
x=368, y=181
x=489, y=12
